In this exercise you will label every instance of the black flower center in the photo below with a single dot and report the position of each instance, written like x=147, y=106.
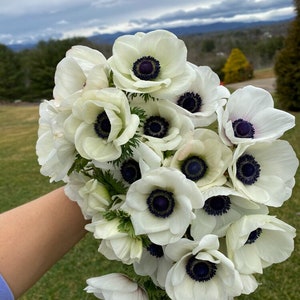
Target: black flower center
x=190, y=101
x=194, y=168
x=243, y=129
x=130, y=171
x=102, y=125
x=161, y=203
x=155, y=250
x=200, y=270
x=156, y=126
x=253, y=236
x=146, y=68
x=247, y=169
x=217, y=205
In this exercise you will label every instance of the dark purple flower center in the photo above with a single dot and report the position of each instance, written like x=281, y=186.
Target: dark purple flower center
x=247, y=169
x=102, y=125
x=200, y=270
x=194, y=168
x=217, y=205
x=243, y=129
x=190, y=101
x=161, y=203
x=130, y=171
x=253, y=236
x=146, y=68
x=156, y=126
x=155, y=250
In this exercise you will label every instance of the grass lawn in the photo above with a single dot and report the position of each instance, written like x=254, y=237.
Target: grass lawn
x=264, y=73
x=20, y=181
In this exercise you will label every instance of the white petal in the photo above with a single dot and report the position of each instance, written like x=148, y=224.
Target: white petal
x=272, y=123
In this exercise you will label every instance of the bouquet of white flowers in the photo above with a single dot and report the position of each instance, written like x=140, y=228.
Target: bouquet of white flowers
x=184, y=202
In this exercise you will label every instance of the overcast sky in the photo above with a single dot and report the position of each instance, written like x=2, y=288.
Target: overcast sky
x=34, y=20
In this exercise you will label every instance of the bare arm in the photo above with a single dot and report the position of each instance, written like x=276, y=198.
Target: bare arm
x=35, y=236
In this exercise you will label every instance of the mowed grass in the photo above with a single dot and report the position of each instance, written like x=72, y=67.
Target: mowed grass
x=264, y=73
x=20, y=181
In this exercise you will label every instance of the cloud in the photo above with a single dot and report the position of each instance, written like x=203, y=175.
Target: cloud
x=28, y=7
x=62, y=22
x=31, y=19
x=105, y=3
x=230, y=10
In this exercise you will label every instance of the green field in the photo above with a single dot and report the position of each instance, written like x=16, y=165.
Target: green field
x=20, y=181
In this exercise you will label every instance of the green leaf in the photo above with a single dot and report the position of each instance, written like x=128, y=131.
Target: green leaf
x=111, y=80
x=113, y=186
x=125, y=224
x=127, y=149
x=154, y=292
x=140, y=113
x=148, y=97
x=79, y=164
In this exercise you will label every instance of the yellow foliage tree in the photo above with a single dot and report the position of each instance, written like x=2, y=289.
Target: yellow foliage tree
x=237, y=68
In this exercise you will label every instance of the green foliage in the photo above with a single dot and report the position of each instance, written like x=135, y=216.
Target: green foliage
x=268, y=47
x=10, y=74
x=208, y=45
x=79, y=164
x=237, y=68
x=154, y=292
x=123, y=217
x=113, y=186
x=127, y=149
x=287, y=68
x=259, y=44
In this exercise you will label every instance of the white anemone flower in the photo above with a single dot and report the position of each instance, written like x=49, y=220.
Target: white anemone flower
x=201, y=271
x=96, y=197
x=154, y=263
x=257, y=241
x=55, y=153
x=115, y=286
x=203, y=158
x=76, y=181
x=115, y=245
x=73, y=71
x=250, y=117
x=163, y=128
x=202, y=98
x=249, y=282
x=128, y=171
x=222, y=207
x=101, y=123
x=153, y=62
x=264, y=171
x=161, y=204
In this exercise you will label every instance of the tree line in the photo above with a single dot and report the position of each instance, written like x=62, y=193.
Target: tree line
x=28, y=75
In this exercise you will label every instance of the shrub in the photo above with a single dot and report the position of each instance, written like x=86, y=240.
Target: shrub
x=237, y=68
x=287, y=67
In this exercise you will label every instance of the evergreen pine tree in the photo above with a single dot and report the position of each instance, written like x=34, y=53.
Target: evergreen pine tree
x=10, y=74
x=287, y=67
x=237, y=68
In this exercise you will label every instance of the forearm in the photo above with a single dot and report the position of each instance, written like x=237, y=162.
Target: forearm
x=36, y=235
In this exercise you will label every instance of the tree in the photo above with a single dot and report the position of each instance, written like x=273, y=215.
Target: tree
x=10, y=74
x=40, y=65
x=208, y=45
x=237, y=68
x=287, y=67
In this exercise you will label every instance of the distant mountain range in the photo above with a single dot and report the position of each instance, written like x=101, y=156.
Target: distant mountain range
x=197, y=29
x=179, y=31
